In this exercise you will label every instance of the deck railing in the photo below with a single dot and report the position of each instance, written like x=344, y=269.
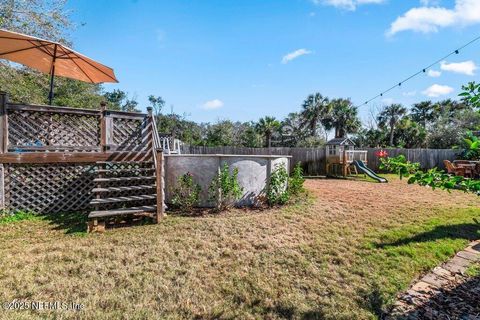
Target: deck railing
x=38, y=133
x=48, y=154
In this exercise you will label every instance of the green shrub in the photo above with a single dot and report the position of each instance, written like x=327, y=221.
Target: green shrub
x=296, y=181
x=399, y=165
x=277, y=189
x=471, y=147
x=186, y=193
x=224, y=189
x=435, y=178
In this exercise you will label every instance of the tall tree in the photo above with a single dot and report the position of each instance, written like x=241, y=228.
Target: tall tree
x=292, y=130
x=118, y=100
x=423, y=112
x=267, y=126
x=343, y=118
x=315, y=109
x=40, y=18
x=220, y=134
x=157, y=103
x=390, y=116
x=48, y=20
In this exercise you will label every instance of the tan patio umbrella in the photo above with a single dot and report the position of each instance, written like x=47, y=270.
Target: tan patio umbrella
x=52, y=58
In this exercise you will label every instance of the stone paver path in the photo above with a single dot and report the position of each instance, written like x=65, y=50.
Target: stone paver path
x=444, y=293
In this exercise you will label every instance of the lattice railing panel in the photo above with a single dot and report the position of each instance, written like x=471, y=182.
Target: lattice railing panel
x=49, y=188
x=46, y=129
x=131, y=134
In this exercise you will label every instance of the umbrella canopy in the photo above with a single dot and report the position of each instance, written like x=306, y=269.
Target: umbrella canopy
x=52, y=58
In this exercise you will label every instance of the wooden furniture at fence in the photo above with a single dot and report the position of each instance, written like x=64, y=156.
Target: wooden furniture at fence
x=471, y=167
x=457, y=170
x=51, y=160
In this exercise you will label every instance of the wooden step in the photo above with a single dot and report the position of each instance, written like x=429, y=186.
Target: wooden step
x=119, y=212
x=120, y=189
x=116, y=179
x=123, y=199
x=125, y=170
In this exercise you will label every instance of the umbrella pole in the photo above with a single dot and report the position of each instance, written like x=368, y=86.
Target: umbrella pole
x=52, y=74
x=50, y=95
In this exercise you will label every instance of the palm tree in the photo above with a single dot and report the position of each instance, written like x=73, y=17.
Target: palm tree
x=267, y=126
x=315, y=109
x=391, y=116
x=423, y=112
x=343, y=118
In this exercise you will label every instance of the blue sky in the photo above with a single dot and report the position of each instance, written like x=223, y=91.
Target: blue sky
x=244, y=59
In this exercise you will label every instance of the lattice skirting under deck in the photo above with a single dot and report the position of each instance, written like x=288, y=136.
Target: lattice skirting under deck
x=49, y=188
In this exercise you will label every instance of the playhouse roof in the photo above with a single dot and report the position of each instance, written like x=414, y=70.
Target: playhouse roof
x=341, y=142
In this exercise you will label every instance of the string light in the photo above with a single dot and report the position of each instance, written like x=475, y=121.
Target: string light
x=424, y=70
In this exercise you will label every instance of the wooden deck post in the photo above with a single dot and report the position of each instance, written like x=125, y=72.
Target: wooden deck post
x=3, y=144
x=106, y=128
x=159, y=170
x=3, y=122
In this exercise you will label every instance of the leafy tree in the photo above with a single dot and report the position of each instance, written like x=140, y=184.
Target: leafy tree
x=423, y=113
x=371, y=137
x=314, y=110
x=267, y=126
x=292, y=130
x=249, y=136
x=44, y=19
x=447, y=131
x=48, y=20
x=390, y=117
x=220, y=134
x=343, y=118
x=409, y=134
x=157, y=103
x=180, y=128
x=449, y=108
x=471, y=95
x=118, y=100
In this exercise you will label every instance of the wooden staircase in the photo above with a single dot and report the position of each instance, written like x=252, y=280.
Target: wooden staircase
x=123, y=188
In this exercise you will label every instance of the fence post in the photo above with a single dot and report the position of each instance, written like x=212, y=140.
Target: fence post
x=159, y=170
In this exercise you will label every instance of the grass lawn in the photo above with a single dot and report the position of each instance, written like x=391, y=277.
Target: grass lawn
x=342, y=254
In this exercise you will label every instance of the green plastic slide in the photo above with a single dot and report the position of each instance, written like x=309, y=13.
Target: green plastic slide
x=363, y=168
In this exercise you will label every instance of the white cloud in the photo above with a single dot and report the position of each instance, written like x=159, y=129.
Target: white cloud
x=429, y=19
x=434, y=73
x=213, y=104
x=467, y=67
x=295, y=54
x=437, y=90
x=346, y=4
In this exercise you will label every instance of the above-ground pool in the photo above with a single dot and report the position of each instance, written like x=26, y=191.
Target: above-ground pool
x=253, y=173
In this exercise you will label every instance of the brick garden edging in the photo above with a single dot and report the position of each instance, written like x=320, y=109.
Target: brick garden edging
x=413, y=304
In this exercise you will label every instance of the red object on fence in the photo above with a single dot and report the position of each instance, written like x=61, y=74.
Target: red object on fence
x=381, y=154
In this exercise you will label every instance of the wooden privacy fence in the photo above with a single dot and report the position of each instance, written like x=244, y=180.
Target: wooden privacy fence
x=48, y=154
x=313, y=159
